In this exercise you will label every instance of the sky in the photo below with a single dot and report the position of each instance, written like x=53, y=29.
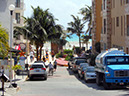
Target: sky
x=61, y=9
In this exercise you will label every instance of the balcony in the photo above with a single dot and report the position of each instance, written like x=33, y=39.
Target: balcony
x=20, y=6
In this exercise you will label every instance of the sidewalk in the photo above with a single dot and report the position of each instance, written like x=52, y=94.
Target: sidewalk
x=18, y=79
x=11, y=91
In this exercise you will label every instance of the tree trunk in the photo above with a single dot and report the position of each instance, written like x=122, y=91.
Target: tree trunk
x=40, y=52
x=87, y=45
x=79, y=42
x=37, y=52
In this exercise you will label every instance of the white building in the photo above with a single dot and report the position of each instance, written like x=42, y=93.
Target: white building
x=17, y=16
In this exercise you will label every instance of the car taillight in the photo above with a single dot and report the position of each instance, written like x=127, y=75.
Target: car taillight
x=31, y=68
x=82, y=72
x=43, y=68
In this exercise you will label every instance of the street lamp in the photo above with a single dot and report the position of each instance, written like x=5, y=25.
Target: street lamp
x=11, y=8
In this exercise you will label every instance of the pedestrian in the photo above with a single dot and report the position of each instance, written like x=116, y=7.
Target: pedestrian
x=47, y=54
x=50, y=68
x=31, y=55
x=52, y=53
x=55, y=65
x=44, y=60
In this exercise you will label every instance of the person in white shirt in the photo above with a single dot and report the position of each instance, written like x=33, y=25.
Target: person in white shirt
x=31, y=55
x=50, y=68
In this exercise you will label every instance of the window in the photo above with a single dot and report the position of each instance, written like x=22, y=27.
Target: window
x=113, y=3
x=127, y=1
x=121, y=2
x=127, y=25
x=121, y=25
x=104, y=46
x=114, y=26
x=117, y=21
x=104, y=26
x=104, y=4
x=124, y=25
x=127, y=50
x=18, y=18
x=17, y=3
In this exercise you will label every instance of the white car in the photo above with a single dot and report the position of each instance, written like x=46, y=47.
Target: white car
x=37, y=70
x=89, y=73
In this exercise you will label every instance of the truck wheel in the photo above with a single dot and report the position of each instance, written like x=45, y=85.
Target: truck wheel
x=97, y=79
x=106, y=85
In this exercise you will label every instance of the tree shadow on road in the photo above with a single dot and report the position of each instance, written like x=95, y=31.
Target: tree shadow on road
x=92, y=83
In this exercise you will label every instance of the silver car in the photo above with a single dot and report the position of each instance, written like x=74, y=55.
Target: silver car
x=81, y=69
x=89, y=73
x=37, y=70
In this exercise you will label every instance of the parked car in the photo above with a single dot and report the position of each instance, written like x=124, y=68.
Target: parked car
x=71, y=62
x=41, y=62
x=37, y=70
x=89, y=73
x=77, y=63
x=81, y=69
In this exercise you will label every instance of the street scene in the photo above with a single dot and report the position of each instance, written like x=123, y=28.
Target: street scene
x=64, y=48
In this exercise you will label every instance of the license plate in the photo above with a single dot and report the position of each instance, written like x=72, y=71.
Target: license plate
x=121, y=83
x=37, y=70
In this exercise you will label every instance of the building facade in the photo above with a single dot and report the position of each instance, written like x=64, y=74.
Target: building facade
x=17, y=19
x=115, y=24
x=106, y=23
x=120, y=23
x=96, y=22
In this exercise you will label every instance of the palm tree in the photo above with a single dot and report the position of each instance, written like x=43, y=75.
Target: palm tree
x=85, y=39
x=87, y=17
x=76, y=27
x=40, y=28
x=31, y=30
x=3, y=42
x=47, y=22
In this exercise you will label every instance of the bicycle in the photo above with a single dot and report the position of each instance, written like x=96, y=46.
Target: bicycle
x=51, y=71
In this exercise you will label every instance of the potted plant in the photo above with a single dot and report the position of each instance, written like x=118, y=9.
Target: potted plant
x=15, y=68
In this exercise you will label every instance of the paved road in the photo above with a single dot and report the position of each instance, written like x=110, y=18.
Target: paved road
x=64, y=83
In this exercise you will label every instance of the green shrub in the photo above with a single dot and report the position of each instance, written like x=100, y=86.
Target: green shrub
x=68, y=51
x=69, y=56
x=57, y=55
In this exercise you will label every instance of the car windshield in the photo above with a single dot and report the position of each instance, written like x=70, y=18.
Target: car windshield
x=80, y=61
x=90, y=70
x=117, y=60
x=37, y=66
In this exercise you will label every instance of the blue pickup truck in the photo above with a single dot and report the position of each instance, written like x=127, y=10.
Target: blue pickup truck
x=112, y=68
